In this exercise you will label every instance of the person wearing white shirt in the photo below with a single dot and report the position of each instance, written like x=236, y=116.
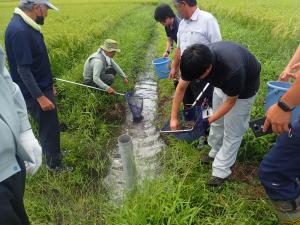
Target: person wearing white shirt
x=196, y=27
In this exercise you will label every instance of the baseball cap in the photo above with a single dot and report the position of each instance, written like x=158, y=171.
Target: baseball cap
x=45, y=2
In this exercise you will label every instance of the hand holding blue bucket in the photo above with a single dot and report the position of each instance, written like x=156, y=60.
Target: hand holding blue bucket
x=276, y=89
x=162, y=67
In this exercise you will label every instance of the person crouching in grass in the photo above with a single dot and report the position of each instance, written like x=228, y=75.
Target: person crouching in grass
x=234, y=72
x=100, y=69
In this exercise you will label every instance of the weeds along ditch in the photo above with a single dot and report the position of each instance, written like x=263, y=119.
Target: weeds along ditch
x=96, y=115
x=180, y=195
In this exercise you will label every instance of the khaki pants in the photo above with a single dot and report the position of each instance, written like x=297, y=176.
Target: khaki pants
x=226, y=134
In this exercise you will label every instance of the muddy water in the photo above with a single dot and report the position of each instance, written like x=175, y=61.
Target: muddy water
x=145, y=137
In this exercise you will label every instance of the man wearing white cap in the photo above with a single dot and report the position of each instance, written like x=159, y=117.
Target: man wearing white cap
x=30, y=69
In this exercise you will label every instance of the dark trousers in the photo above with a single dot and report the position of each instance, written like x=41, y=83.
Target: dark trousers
x=280, y=169
x=194, y=89
x=106, y=78
x=12, y=211
x=90, y=83
x=49, y=131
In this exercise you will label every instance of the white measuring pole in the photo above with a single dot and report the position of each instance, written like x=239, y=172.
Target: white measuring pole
x=87, y=86
x=199, y=96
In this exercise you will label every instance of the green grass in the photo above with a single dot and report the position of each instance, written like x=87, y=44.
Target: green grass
x=280, y=16
x=180, y=196
x=270, y=30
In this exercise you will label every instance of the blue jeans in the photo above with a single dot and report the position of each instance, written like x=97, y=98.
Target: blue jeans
x=280, y=168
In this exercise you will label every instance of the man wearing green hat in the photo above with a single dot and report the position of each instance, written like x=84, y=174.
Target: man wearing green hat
x=100, y=69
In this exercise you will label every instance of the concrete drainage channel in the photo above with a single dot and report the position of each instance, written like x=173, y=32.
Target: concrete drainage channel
x=142, y=138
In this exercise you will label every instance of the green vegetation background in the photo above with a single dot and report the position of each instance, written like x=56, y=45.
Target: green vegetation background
x=92, y=121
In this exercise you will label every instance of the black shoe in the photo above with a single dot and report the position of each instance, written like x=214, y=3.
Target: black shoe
x=216, y=181
x=61, y=168
x=207, y=159
x=138, y=119
x=202, y=142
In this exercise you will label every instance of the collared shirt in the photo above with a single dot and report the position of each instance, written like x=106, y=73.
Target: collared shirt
x=171, y=32
x=235, y=70
x=202, y=28
x=25, y=46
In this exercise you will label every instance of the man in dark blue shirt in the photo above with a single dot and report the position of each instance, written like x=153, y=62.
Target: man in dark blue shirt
x=165, y=15
x=30, y=69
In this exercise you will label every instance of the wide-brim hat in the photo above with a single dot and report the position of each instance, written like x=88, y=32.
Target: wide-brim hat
x=110, y=45
x=45, y=2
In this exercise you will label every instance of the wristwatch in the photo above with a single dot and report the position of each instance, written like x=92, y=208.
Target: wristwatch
x=284, y=106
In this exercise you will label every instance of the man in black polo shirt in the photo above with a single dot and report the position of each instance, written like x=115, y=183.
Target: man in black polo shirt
x=30, y=69
x=165, y=15
x=234, y=72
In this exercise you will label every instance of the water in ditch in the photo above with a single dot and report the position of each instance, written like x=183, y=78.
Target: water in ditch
x=145, y=137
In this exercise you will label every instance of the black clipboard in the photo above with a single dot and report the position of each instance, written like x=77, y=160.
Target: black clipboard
x=257, y=127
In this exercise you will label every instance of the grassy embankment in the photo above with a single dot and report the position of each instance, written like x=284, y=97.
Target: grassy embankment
x=91, y=120
x=270, y=29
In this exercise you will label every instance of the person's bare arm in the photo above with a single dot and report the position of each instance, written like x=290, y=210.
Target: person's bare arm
x=175, y=64
x=179, y=93
x=287, y=73
x=168, y=47
x=223, y=109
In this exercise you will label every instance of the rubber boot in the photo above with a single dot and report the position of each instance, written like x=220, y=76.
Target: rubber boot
x=288, y=211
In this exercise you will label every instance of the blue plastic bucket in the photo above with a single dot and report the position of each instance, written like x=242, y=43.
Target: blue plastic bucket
x=276, y=89
x=162, y=67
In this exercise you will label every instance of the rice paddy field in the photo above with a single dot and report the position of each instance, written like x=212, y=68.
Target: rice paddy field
x=92, y=121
